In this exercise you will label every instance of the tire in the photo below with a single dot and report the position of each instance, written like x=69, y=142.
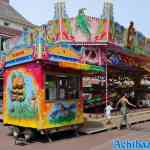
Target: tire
x=16, y=132
x=28, y=134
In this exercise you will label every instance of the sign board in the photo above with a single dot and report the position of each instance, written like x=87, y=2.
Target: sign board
x=19, y=57
x=58, y=54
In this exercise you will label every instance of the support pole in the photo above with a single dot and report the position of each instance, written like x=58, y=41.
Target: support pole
x=106, y=81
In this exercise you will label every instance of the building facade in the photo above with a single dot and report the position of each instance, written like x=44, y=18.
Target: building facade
x=12, y=23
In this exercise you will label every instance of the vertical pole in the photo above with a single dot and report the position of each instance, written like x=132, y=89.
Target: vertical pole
x=0, y=43
x=106, y=76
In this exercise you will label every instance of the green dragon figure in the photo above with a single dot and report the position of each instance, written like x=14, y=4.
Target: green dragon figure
x=82, y=22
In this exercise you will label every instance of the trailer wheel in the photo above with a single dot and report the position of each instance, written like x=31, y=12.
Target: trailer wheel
x=15, y=131
x=28, y=133
x=77, y=134
x=10, y=131
x=20, y=141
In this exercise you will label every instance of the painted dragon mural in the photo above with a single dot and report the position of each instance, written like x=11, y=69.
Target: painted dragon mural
x=82, y=23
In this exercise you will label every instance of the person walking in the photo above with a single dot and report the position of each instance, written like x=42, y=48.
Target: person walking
x=108, y=110
x=124, y=109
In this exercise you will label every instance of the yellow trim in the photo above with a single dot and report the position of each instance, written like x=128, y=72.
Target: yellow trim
x=19, y=54
x=64, y=52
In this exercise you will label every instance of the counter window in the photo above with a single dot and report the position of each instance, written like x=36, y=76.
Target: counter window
x=61, y=87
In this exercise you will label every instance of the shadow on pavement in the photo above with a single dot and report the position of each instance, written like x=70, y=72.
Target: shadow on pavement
x=54, y=137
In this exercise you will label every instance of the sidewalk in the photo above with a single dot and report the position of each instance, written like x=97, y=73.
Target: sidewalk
x=98, y=123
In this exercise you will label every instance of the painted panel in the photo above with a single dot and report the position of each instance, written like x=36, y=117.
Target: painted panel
x=92, y=55
x=61, y=105
x=22, y=90
x=60, y=53
x=82, y=28
x=133, y=40
x=25, y=105
x=118, y=59
x=2, y=60
x=119, y=34
x=62, y=113
x=19, y=57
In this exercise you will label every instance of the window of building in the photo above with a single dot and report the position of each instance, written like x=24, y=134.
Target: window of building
x=61, y=87
x=3, y=43
x=6, y=23
x=25, y=29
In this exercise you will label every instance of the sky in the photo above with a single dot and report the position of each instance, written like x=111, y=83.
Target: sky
x=40, y=11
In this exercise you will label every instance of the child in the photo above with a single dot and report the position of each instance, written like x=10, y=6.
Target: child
x=108, y=110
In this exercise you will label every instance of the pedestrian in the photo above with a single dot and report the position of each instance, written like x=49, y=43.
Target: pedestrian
x=108, y=110
x=124, y=109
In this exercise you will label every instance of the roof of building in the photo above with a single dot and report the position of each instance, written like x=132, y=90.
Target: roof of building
x=7, y=12
x=6, y=31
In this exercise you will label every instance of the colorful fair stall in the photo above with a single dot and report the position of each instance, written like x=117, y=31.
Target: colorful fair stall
x=44, y=67
x=42, y=85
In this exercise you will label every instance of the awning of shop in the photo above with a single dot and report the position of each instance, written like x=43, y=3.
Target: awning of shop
x=79, y=66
